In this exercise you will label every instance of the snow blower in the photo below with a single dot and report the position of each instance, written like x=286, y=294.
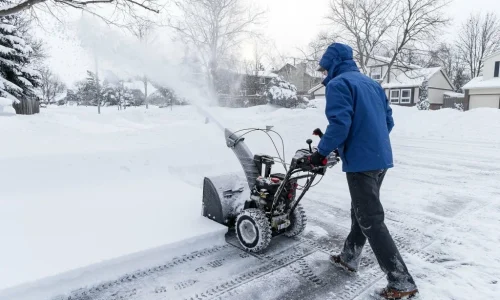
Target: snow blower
x=265, y=204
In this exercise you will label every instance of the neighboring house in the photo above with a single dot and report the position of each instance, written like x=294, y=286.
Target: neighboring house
x=402, y=84
x=404, y=88
x=298, y=76
x=255, y=82
x=484, y=91
x=236, y=83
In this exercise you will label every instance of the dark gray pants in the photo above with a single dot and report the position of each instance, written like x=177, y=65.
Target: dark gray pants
x=367, y=216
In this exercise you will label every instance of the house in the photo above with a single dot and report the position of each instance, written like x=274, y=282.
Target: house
x=402, y=84
x=484, y=91
x=298, y=76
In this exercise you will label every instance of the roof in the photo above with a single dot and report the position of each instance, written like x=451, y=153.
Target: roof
x=315, y=88
x=491, y=55
x=266, y=73
x=479, y=83
x=454, y=95
x=411, y=78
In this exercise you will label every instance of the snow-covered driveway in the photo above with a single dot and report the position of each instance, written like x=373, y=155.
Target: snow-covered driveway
x=442, y=204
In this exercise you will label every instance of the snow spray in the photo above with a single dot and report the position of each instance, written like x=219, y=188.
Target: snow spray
x=128, y=57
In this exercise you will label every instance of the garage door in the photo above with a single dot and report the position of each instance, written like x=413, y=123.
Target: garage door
x=492, y=101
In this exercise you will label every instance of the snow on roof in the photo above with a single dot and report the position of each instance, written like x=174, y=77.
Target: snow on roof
x=411, y=78
x=454, y=94
x=479, y=83
x=491, y=55
x=265, y=73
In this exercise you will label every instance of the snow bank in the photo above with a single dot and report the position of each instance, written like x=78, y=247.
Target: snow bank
x=87, y=188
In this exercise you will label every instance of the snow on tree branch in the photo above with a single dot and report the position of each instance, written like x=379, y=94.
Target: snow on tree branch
x=124, y=5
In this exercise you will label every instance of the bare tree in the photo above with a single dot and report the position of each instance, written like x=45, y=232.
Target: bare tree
x=363, y=24
x=417, y=22
x=315, y=49
x=479, y=37
x=143, y=30
x=51, y=85
x=214, y=27
x=121, y=7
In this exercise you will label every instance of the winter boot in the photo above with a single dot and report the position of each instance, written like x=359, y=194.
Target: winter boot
x=393, y=294
x=337, y=261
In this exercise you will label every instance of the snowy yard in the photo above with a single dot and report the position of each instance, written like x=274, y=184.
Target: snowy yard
x=80, y=189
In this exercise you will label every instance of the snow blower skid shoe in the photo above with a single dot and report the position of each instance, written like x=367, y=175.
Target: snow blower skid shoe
x=266, y=205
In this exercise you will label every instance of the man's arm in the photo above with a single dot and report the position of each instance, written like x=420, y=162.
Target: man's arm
x=389, y=119
x=339, y=113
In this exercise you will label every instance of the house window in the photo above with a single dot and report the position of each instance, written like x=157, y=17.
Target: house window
x=262, y=80
x=394, y=96
x=406, y=96
x=497, y=68
x=376, y=73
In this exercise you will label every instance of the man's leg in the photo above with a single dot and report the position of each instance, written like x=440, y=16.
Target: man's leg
x=353, y=245
x=365, y=190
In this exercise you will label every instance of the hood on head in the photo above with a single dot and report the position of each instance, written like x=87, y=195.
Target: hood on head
x=337, y=59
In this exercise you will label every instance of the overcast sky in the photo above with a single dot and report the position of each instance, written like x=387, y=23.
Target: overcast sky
x=290, y=23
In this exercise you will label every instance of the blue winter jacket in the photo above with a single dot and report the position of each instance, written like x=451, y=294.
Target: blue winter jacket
x=358, y=113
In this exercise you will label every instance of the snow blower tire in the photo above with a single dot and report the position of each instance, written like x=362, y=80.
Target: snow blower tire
x=253, y=230
x=298, y=222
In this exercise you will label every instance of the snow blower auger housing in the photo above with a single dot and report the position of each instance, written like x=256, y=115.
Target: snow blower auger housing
x=266, y=204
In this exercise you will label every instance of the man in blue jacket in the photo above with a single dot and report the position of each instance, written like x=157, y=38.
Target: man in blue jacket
x=360, y=120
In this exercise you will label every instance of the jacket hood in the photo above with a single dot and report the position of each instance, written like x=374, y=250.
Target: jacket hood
x=337, y=59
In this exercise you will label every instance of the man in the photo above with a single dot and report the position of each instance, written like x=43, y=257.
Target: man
x=360, y=120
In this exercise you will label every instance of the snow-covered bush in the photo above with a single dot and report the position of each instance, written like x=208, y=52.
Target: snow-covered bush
x=424, y=105
x=459, y=106
x=282, y=93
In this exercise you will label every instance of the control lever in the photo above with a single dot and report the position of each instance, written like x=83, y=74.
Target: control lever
x=309, y=142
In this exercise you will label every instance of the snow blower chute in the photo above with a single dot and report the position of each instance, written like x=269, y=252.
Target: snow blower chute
x=265, y=204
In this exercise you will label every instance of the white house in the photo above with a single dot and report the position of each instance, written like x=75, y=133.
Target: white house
x=402, y=84
x=484, y=91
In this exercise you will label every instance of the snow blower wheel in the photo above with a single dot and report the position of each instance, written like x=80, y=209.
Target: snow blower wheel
x=298, y=222
x=270, y=206
x=253, y=230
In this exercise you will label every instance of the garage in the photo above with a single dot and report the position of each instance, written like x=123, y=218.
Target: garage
x=477, y=101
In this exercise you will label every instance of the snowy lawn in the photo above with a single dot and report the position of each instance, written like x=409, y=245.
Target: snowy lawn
x=80, y=188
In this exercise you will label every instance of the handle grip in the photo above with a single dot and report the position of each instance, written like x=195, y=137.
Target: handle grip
x=318, y=132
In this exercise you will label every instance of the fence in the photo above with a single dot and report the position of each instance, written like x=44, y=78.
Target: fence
x=449, y=102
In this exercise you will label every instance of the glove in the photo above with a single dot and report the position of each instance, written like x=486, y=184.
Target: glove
x=317, y=160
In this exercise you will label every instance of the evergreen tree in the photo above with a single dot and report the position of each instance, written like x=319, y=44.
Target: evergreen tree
x=17, y=79
x=423, y=103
